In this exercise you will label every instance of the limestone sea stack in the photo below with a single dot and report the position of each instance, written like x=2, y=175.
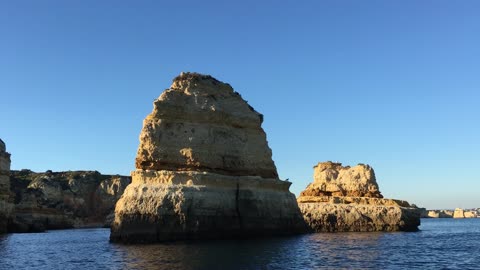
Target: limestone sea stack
x=6, y=206
x=348, y=199
x=204, y=170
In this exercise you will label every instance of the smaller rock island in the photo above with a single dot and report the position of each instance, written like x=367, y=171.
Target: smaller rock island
x=348, y=199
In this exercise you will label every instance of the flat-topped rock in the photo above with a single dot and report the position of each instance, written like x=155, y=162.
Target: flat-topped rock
x=333, y=179
x=204, y=170
x=348, y=199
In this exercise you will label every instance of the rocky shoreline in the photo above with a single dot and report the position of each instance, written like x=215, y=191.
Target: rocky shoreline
x=63, y=200
x=456, y=213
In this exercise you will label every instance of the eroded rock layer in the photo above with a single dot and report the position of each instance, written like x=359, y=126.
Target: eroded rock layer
x=6, y=207
x=347, y=199
x=201, y=124
x=204, y=170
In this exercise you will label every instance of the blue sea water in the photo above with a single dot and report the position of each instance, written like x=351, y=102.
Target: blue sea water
x=441, y=244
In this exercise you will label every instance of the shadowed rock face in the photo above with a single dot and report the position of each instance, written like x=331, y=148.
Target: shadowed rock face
x=348, y=199
x=5, y=205
x=204, y=170
x=60, y=200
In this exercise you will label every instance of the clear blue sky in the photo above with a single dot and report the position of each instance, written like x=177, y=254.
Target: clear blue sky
x=394, y=84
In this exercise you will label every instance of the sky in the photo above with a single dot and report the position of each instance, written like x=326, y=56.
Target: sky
x=393, y=84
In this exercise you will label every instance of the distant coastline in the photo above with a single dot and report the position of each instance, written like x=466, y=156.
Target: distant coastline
x=448, y=213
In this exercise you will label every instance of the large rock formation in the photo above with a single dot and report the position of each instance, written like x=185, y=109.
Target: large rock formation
x=59, y=200
x=204, y=170
x=5, y=203
x=348, y=199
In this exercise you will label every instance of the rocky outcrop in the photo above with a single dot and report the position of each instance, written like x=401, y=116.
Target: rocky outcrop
x=6, y=206
x=347, y=199
x=59, y=200
x=461, y=213
x=439, y=214
x=457, y=213
x=470, y=214
x=204, y=170
x=332, y=179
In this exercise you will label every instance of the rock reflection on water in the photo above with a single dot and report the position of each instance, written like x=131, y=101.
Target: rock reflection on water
x=308, y=251
x=226, y=254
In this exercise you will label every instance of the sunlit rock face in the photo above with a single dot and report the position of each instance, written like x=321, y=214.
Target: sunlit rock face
x=461, y=213
x=202, y=124
x=439, y=214
x=347, y=198
x=333, y=179
x=204, y=170
x=6, y=206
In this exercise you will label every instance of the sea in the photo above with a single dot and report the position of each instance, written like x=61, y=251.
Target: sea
x=440, y=244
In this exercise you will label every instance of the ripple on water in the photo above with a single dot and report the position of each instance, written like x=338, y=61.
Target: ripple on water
x=441, y=243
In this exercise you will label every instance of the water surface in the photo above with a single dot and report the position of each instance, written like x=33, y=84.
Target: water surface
x=441, y=244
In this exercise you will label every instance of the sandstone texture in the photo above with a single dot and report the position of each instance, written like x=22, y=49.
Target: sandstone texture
x=204, y=170
x=6, y=206
x=347, y=199
x=59, y=200
x=333, y=179
x=201, y=124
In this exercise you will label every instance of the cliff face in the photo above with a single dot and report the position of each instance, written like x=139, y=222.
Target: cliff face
x=204, y=170
x=58, y=200
x=348, y=199
x=6, y=207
